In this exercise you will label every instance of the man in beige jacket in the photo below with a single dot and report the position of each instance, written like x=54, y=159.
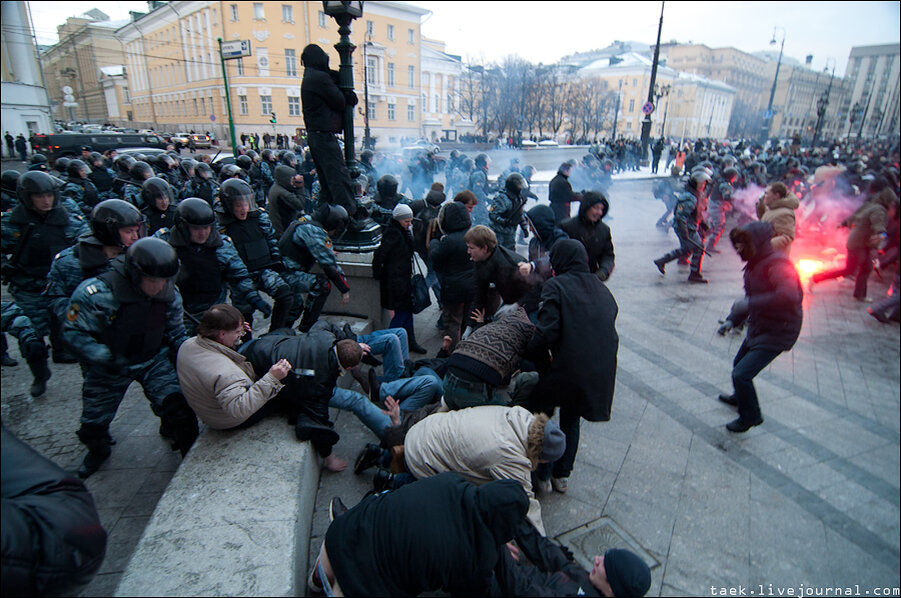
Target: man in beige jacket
x=218, y=382
x=485, y=443
x=777, y=206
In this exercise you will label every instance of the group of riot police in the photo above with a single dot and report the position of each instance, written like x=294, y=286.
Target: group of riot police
x=117, y=272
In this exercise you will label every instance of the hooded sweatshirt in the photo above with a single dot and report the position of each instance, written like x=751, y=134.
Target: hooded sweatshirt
x=323, y=101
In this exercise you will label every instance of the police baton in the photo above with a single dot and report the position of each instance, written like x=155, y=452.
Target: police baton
x=698, y=246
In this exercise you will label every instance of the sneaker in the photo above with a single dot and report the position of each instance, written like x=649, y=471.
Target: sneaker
x=9, y=361
x=336, y=508
x=695, y=277
x=560, y=485
x=543, y=487
x=661, y=266
x=313, y=583
x=879, y=316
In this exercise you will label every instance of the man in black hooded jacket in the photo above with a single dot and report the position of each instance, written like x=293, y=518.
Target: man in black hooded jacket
x=589, y=228
x=323, y=114
x=772, y=308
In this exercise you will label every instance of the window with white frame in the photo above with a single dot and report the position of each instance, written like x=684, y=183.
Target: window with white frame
x=411, y=36
x=242, y=102
x=391, y=113
x=425, y=103
x=293, y=106
x=372, y=64
x=287, y=13
x=370, y=28
x=239, y=65
x=391, y=32
x=290, y=62
x=411, y=76
x=259, y=12
x=322, y=22
x=391, y=74
x=233, y=12
x=195, y=107
x=371, y=111
x=411, y=112
x=265, y=105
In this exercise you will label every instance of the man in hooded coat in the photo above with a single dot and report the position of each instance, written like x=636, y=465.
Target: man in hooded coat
x=439, y=533
x=576, y=327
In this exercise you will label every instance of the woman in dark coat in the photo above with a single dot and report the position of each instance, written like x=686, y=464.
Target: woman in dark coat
x=392, y=265
x=577, y=326
x=454, y=268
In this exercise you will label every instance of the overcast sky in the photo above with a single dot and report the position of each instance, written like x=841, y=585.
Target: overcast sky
x=545, y=31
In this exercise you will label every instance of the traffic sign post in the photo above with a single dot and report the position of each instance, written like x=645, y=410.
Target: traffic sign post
x=235, y=49
x=648, y=108
x=228, y=101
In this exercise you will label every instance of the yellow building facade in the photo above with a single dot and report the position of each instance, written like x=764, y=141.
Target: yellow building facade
x=175, y=74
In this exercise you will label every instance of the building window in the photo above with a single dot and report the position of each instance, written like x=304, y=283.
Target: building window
x=233, y=12
x=370, y=28
x=631, y=105
x=435, y=101
x=411, y=112
x=239, y=64
x=202, y=105
x=293, y=106
x=287, y=13
x=371, y=111
x=425, y=102
x=391, y=108
x=242, y=102
x=634, y=82
x=265, y=105
x=322, y=22
x=390, y=73
x=450, y=103
x=411, y=36
x=411, y=76
x=391, y=32
x=291, y=62
x=126, y=99
x=259, y=13
x=371, y=70
x=195, y=107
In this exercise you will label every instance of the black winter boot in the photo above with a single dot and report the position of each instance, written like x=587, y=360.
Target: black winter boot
x=179, y=420
x=41, y=372
x=98, y=441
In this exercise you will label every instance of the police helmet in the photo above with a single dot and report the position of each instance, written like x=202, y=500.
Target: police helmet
x=267, y=155
x=244, y=162
x=467, y=164
x=203, y=171
x=240, y=148
x=188, y=166
x=124, y=164
x=230, y=171
x=8, y=180
x=366, y=156
x=527, y=171
x=61, y=164
x=730, y=174
x=700, y=174
x=154, y=188
x=38, y=159
x=387, y=185
x=140, y=171
x=252, y=155
x=36, y=182
x=481, y=160
x=233, y=191
x=112, y=214
x=75, y=167
x=289, y=158
x=515, y=184
x=195, y=212
x=165, y=162
x=333, y=219
x=151, y=257
x=96, y=159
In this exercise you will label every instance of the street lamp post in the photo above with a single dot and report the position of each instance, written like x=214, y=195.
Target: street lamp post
x=822, y=105
x=344, y=12
x=367, y=140
x=662, y=91
x=616, y=112
x=768, y=117
x=646, y=123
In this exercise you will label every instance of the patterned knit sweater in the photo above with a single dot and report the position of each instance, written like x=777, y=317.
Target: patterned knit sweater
x=493, y=350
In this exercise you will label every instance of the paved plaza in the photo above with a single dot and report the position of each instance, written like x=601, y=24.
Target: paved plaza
x=808, y=500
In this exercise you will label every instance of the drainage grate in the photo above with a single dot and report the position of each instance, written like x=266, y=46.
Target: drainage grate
x=596, y=537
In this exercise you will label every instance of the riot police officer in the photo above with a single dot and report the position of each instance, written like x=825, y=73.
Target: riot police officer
x=720, y=205
x=254, y=238
x=687, y=218
x=138, y=173
x=204, y=183
x=31, y=346
x=209, y=263
x=386, y=199
x=309, y=241
x=79, y=187
x=115, y=226
x=102, y=177
x=159, y=204
x=505, y=211
x=35, y=230
x=478, y=184
x=126, y=325
x=8, y=181
x=122, y=165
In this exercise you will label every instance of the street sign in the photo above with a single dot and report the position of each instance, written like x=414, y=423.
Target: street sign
x=235, y=49
x=213, y=117
x=67, y=89
x=70, y=104
x=647, y=108
x=768, y=114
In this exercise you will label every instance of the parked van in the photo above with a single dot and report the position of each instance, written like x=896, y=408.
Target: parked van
x=68, y=145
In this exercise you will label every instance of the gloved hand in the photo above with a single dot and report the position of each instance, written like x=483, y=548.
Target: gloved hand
x=725, y=326
x=278, y=267
x=568, y=553
x=257, y=303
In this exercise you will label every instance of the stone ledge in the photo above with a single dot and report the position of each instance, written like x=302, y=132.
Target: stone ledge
x=234, y=520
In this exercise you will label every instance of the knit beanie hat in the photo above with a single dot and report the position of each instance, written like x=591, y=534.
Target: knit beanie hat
x=554, y=443
x=402, y=211
x=627, y=574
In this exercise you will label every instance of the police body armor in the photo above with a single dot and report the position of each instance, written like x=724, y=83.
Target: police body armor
x=102, y=179
x=199, y=280
x=289, y=248
x=137, y=331
x=251, y=243
x=47, y=238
